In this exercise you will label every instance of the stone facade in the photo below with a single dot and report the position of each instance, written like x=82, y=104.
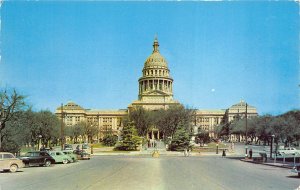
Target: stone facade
x=155, y=92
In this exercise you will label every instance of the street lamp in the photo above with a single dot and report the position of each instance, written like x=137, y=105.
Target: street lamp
x=39, y=141
x=62, y=128
x=271, y=148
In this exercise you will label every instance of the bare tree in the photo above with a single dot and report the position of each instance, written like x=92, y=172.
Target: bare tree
x=10, y=103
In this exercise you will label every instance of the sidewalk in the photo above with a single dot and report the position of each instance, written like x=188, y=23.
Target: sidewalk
x=280, y=164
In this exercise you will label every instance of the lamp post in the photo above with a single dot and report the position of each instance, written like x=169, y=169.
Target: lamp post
x=246, y=143
x=62, y=128
x=271, y=148
x=39, y=141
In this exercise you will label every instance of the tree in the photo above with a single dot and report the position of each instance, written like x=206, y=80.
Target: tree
x=129, y=138
x=75, y=131
x=90, y=131
x=10, y=103
x=48, y=127
x=202, y=137
x=110, y=139
x=142, y=119
x=168, y=121
x=181, y=139
x=15, y=134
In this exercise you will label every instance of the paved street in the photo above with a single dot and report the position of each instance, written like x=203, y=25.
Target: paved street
x=144, y=172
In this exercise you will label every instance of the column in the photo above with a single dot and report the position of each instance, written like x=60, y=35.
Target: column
x=152, y=135
x=158, y=135
x=152, y=84
x=140, y=88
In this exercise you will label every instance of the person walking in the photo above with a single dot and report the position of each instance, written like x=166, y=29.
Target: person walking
x=185, y=153
x=224, y=153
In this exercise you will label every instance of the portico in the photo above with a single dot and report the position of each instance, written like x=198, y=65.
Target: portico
x=154, y=134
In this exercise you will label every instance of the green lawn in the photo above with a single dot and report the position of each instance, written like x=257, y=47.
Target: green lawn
x=99, y=145
x=211, y=147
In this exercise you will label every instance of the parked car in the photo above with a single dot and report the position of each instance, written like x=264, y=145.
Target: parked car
x=82, y=155
x=60, y=157
x=8, y=162
x=68, y=147
x=86, y=147
x=296, y=169
x=71, y=155
x=37, y=158
x=289, y=150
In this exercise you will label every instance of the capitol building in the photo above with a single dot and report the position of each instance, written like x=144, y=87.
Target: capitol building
x=155, y=92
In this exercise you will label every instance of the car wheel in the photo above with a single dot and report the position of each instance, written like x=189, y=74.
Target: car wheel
x=48, y=163
x=65, y=161
x=298, y=174
x=13, y=168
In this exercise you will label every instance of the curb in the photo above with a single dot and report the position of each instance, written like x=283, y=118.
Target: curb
x=268, y=164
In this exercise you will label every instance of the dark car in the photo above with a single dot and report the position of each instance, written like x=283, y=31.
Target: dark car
x=37, y=158
x=82, y=155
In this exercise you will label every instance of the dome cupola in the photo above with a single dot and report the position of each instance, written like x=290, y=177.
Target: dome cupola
x=155, y=60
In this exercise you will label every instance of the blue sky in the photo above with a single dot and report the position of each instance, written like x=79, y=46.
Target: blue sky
x=93, y=52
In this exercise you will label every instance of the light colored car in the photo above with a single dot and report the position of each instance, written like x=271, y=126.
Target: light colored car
x=70, y=154
x=8, y=162
x=296, y=169
x=60, y=157
x=289, y=150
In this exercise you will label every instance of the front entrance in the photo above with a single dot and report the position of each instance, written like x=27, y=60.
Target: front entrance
x=154, y=134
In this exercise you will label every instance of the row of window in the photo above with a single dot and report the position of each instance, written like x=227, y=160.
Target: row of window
x=203, y=127
x=156, y=72
x=206, y=119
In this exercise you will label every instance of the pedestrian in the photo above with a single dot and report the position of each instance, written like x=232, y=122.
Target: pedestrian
x=224, y=153
x=185, y=153
x=250, y=153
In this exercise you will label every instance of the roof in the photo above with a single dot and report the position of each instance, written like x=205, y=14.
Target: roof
x=156, y=59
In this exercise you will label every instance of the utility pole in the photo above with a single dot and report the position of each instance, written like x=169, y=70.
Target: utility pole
x=246, y=123
x=246, y=143
x=62, y=128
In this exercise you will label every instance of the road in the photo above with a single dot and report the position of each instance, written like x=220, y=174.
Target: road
x=144, y=172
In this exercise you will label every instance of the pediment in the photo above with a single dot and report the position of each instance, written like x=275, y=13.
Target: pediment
x=155, y=93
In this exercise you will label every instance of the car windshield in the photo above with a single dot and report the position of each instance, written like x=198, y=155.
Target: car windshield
x=28, y=154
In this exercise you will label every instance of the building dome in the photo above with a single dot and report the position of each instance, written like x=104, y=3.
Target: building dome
x=156, y=60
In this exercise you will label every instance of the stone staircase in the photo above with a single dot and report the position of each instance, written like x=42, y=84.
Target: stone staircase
x=157, y=145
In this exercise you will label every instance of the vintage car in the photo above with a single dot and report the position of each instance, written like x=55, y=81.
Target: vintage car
x=288, y=150
x=37, y=158
x=296, y=169
x=82, y=155
x=60, y=157
x=71, y=155
x=68, y=147
x=8, y=162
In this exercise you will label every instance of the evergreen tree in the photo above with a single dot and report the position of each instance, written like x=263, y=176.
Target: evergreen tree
x=110, y=139
x=181, y=139
x=130, y=139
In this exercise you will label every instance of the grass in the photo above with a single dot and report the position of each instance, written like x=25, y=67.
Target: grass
x=211, y=147
x=99, y=145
